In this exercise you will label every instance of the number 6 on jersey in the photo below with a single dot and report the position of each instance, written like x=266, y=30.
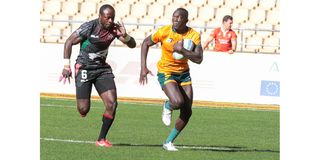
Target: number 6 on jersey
x=84, y=74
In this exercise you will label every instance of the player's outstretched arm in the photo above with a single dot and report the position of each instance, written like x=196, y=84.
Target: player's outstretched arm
x=147, y=42
x=195, y=55
x=66, y=71
x=72, y=40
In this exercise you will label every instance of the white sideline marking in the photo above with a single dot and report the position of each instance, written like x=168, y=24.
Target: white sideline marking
x=178, y=146
x=64, y=106
x=66, y=140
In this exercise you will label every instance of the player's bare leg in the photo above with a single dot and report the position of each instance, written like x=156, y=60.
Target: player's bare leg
x=83, y=106
x=182, y=95
x=185, y=111
x=172, y=91
x=109, y=99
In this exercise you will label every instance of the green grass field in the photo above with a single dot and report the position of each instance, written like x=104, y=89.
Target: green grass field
x=138, y=133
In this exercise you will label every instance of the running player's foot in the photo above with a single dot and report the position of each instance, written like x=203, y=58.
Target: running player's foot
x=166, y=114
x=103, y=143
x=169, y=147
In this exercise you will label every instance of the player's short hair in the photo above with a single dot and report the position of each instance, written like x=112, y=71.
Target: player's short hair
x=184, y=11
x=105, y=6
x=226, y=18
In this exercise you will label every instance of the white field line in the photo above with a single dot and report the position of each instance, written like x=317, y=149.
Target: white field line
x=63, y=106
x=178, y=146
x=66, y=140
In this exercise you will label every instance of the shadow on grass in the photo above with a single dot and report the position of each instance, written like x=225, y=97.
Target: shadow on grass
x=203, y=148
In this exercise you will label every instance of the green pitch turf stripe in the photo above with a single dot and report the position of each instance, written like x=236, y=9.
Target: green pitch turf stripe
x=192, y=147
x=119, y=144
x=161, y=101
x=157, y=105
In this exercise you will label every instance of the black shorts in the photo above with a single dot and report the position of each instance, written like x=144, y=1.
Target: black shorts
x=102, y=78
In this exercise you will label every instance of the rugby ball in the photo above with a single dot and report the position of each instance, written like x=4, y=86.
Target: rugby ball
x=188, y=45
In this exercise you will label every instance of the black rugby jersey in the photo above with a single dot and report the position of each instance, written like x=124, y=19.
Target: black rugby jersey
x=95, y=42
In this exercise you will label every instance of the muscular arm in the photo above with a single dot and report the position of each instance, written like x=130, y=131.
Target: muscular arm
x=123, y=35
x=66, y=72
x=131, y=43
x=195, y=56
x=147, y=42
x=72, y=40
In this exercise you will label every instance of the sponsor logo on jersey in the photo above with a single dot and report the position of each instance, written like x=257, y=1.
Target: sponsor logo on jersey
x=94, y=36
x=92, y=56
x=223, y=41
x=169, y=40
x=100, y=54
x=83, y=80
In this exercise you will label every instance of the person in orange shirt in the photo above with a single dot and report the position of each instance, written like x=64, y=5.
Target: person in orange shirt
x=225, y=38
x=173, y=71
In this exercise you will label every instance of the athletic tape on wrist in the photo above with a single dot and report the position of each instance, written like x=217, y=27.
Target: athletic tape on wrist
x=66, y=63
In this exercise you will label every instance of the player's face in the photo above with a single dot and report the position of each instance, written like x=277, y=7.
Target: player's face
x=179, y=20
x=228, y=24
x=107, y=18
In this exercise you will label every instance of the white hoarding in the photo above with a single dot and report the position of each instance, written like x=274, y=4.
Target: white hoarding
x=241, y=77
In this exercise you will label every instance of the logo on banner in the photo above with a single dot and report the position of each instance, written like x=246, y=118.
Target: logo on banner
x=270, y=88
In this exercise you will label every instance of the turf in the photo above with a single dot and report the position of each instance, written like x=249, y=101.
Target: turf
x=138, y=133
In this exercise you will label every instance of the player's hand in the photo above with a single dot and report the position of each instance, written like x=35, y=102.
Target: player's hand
x=177, y=47
x=205, y=47
x=231, y=51
x=66, y=74
x=121, y=30
x=143, y=76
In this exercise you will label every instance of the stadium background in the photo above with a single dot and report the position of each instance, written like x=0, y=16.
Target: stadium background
x=252, y=73
x=256, y=22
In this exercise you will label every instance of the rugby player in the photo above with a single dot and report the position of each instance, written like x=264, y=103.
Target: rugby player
x=91, y=68
x=173, y=74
